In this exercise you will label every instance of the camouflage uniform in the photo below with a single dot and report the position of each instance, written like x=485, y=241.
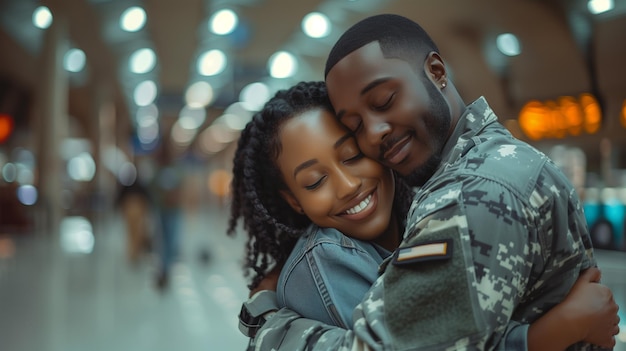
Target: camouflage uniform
x=494, y=239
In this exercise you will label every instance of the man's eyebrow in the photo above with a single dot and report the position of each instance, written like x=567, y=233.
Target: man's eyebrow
x=367, y=88
x=374, y=84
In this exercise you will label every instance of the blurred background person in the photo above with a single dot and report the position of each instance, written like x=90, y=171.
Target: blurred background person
x=165, y=188
x=136, y=207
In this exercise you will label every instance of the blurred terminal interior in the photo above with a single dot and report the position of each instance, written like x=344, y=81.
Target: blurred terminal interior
x=92, y=90
x=96, y=94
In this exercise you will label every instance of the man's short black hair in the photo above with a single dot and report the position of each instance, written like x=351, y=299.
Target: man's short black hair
x=398, y=36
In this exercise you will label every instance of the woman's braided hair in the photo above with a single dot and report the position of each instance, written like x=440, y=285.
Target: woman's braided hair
x=272, y=225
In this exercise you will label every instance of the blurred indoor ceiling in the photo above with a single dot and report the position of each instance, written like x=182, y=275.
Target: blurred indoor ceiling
x=565, y=49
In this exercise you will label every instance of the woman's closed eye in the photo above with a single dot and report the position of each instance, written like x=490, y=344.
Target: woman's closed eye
x=315, y=185
x=356, y=157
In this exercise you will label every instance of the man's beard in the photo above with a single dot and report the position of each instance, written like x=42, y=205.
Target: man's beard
x=422, y=174
x=438, y=122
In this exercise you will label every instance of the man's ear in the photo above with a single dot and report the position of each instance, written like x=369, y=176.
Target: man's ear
x=435, y=69
x=291, y=200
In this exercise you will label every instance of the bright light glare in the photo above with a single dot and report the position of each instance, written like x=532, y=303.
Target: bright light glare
x=282, y=65
x=77, y=235
x=113, y=158
x=27, y=194
x=599, y=6
x=191, y=118
x=508, y=44
x=9, y=172
x=82, y=167
x=147, y=115
x=149, y=133
x=316, y=25
x=142, y=61
x=182, y=136
x=42, y=17
x=74, y=60
x=127, y=174
x=199, y=94
x=211, y=63
x=223, y=22
x=236, y=116
x=145, y=93
x=133, y=19
x=254, y=96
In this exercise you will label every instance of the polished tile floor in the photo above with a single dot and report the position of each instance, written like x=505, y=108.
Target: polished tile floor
x=55, y=298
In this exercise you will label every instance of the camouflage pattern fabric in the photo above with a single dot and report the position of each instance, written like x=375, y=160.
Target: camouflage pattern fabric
x=516, y=241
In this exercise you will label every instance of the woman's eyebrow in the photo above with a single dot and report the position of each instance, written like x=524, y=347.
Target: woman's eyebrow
x=304, y=165
x=342, y=140
x=313, y=161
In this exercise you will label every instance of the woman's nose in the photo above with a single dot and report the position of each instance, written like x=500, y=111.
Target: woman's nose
x=348, y=183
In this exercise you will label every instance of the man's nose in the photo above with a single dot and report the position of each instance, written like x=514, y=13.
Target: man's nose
x=376, y=130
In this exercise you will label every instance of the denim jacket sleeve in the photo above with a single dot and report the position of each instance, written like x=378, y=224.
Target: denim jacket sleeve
x=327, y=275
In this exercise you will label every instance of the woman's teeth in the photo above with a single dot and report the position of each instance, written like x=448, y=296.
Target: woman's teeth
x=358, y=208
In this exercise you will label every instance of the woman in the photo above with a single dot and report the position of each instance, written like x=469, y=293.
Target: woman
x=315, y=207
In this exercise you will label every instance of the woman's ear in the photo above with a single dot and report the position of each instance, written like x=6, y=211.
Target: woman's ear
x=291, y=200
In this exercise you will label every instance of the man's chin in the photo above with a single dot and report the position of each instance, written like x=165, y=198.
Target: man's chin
x=420, y=175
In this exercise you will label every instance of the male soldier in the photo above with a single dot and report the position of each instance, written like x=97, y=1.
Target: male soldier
x=496, y=235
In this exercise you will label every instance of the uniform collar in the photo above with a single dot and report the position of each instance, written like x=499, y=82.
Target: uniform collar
x=476, y=117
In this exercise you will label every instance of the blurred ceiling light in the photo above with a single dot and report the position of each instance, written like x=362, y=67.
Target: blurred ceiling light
x=133, y=19
x=27, y=194
x=42, y=17
x=236, y=116
x=235, y=122
x=81, y=168
x=24, y=156
x=316, y=25
x=221, y=133
x=191, y=118
x=600, y=6
x=211, y=63
x=77, y=235
x=9, y=172
x=74, y=60
x=229, y=125
x=208, y=144
x=142, y=61
x=199, y=94
x=145, y=93
x=254, y=96
x=282, y=65
x=182, y=136
x=146, y=115
x=148, y=134
x=24, y=175
x=127, y=174
x=237, y=108
x=508, y=44
x=223, y=22
x=70, y=147
x=113, y=158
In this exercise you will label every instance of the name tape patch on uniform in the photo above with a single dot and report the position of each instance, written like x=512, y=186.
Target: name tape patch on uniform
x=428, y=251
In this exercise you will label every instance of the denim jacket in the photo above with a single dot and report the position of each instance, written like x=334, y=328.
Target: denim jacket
x=327, y=275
